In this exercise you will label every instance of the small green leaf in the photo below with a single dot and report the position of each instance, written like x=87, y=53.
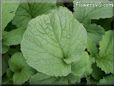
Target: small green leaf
x=13, y=50
x=105, y=58
x=13, y=37
x=82, y=67
x=9, y=73
x=7, y=78
x=95, y=33
x=22, y=72
x=92, y=47
x=97, y=73
x=32, y=9
x=72, y=79
x=106, y=44
x=4, y=49
x=91, y=81
x=8, y=12
x=108, y=80
x=22, y=76
x=105, y=23
x=17, y=62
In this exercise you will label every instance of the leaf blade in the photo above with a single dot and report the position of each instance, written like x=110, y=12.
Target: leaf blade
x=51, y=42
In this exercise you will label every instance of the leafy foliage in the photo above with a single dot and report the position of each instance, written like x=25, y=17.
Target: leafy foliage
x=48, y=42
x=105, y=58
x=22, y=72
x=13, y=37
x=8, y=12
x=30, y=9
x=85, y=14
x=63, y=39
x=108, y=80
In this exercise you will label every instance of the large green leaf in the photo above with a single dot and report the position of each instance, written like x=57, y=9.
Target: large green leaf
x=13, y=37
x=8, y=11
x=105, y=58
x=29, y=9
x=22, y=72
x=85, y=13
x=52, y=42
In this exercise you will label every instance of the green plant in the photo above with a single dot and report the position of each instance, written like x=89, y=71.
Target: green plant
x=48, y=43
